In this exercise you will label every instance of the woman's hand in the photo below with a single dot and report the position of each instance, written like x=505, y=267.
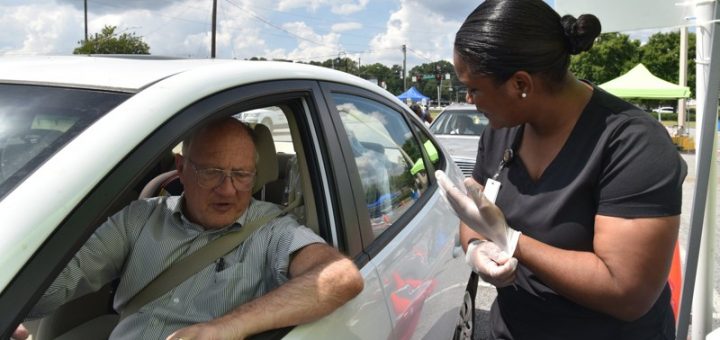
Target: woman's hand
x=490, y=262
x=479, y=213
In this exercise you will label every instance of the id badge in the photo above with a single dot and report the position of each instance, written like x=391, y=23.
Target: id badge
x=492, y=188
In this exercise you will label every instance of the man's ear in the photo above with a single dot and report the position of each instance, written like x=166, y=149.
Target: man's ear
x=179, y=163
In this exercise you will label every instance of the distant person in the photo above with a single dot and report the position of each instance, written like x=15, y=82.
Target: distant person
x=580, y=237
x=295, y=276
x=422, y=114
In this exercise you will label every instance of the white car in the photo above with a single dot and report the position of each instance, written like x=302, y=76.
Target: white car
x=458, y=128
x=81, y=137
x=274, y=119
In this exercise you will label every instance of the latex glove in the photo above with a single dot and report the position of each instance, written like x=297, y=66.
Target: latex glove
x=479, y=213
x=492, y=263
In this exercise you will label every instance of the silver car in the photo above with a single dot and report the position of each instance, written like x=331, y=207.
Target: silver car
x=81, y=137
x=458, y=128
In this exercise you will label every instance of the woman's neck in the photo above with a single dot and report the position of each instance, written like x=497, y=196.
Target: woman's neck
x=560, y=110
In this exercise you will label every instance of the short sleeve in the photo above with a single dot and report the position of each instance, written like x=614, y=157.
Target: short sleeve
x=642, y=172
x=288, y=237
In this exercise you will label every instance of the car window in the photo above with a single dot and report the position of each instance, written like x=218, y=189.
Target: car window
x=431, y=150
x=385, y=153
x=35, y=121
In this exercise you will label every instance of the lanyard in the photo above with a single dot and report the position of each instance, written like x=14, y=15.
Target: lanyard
x=508, y=156
x=492, y=185
x=509, y=153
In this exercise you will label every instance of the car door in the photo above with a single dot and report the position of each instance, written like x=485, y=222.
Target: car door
x=335, y=215
x=407, y=230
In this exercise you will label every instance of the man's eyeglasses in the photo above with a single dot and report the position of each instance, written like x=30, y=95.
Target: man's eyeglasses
x=211, y=178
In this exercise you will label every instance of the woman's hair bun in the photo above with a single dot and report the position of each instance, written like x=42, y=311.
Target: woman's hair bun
x=580, y=32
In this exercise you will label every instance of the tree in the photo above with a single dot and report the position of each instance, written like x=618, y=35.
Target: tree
x=109, y=42
x=661, y=55
x=391, y=76
x=429, y=86
x=612, y=55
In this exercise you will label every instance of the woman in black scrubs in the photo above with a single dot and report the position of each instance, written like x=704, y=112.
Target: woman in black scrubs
x=586, y=187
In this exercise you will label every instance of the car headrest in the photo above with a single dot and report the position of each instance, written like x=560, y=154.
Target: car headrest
x=267, y=165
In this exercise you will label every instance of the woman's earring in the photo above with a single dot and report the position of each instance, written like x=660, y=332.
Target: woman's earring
x=524, y=95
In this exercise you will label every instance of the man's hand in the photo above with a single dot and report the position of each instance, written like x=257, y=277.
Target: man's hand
x=206, y=331
x=492, y=264
x=20, y=333
x=479, y=213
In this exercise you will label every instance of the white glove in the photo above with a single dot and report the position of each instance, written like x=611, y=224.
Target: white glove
x=479, y=213
x=490, y=262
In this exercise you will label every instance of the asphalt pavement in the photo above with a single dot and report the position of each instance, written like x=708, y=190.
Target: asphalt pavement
x=486, y=294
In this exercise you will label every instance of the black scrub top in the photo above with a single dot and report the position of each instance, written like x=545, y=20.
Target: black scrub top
x=618, y=161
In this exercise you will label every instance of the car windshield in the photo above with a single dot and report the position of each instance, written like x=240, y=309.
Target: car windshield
x=35, y=121
x=459, y=122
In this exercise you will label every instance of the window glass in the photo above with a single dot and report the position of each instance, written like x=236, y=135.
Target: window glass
x=35, y=121
x=430, y=150
x=459, y=122
x=386, y=155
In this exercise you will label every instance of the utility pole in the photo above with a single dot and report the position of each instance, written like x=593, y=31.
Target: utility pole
x=212, y=39
x=86, y=37
x=404, y=49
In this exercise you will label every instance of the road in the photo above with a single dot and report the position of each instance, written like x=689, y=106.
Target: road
x=487, y=294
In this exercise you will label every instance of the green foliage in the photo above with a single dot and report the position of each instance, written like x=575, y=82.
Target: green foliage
x=389, y=75
x=612, y=55
x=429, y=86
x=109, y=42
x=661, y=55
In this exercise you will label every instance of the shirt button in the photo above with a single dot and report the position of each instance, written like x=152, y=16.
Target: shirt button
x=175, y=300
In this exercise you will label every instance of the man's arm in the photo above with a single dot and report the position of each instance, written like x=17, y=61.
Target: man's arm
x=321, y=280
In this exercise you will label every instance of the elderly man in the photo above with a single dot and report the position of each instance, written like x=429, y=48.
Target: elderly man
x=282, y=275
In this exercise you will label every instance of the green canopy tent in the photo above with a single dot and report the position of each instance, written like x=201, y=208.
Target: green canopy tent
x=640, y=83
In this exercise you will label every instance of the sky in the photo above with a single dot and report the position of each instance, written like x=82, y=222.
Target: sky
x=368, y=31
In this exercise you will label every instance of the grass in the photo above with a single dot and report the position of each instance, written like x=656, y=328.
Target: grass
x=675, y=122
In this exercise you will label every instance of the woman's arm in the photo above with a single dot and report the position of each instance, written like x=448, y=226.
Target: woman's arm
x=624, y=275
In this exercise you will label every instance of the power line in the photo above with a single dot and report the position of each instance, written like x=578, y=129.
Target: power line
x=267, y=22
x=420, y=55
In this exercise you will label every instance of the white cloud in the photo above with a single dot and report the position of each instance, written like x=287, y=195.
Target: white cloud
x=346, y=26
x=428, y=37
x=312, y=46
x=39, y=29
x=342, y=7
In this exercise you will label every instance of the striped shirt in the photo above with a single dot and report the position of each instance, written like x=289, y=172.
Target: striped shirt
x=140, y=241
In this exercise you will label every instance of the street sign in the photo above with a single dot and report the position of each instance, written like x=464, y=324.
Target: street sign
x=428, y=76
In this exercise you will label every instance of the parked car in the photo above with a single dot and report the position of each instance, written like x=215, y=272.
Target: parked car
x=272, y=118
x=81, y=137
x=458, y=128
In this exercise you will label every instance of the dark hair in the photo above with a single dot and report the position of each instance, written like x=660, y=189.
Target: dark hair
x=501, y=37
